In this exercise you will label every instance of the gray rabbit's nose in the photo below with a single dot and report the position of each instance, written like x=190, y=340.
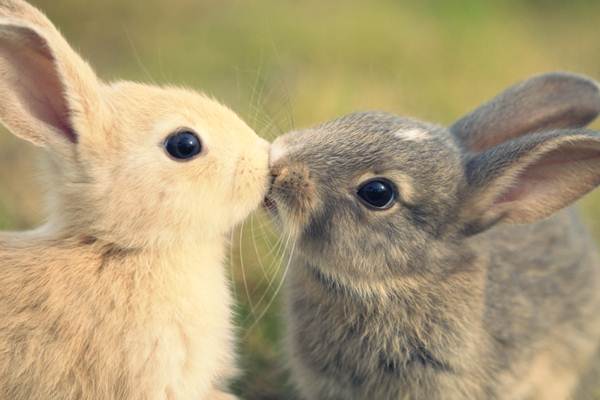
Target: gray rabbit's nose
x=277, y=160
x=276, y=153
x=287, y=174
x=279, y=173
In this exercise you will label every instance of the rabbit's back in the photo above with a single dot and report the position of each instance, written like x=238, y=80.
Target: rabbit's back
x=542, y=300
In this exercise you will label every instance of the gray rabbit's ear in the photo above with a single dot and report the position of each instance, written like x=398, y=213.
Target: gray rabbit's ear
x=48, y=92
x=530, y=178
x=550, y=101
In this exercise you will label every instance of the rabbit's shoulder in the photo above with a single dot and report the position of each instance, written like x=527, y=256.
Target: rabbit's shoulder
x=540, y=276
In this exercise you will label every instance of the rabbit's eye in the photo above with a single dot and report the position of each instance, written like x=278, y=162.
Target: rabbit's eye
x=379, y=194
x=183, y=145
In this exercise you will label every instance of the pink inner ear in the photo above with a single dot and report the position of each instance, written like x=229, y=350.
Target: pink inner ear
x=549, y=175
x=37, y=82
x=46, y=100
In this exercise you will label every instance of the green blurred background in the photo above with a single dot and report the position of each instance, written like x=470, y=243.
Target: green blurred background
x=290, y=64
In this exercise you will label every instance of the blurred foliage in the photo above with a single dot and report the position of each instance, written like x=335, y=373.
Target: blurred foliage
x=286, y=64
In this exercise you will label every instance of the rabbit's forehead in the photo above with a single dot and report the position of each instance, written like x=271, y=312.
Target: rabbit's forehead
x=142, y=109
x=366, y=141
x=413, y=134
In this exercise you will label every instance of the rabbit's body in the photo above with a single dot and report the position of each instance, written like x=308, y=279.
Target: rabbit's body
x=396, y=346
x=545, y=279
x=84, y=320
x=404, y=282
x=122, y=294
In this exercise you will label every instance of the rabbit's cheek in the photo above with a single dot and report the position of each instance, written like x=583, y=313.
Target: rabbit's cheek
x=250, y=182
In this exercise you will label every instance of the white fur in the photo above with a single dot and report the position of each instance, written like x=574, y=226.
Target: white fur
x=277, y=152
x=414, y=135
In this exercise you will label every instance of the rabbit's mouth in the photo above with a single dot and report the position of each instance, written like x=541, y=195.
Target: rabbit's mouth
x=269, y=202
x=270, y=205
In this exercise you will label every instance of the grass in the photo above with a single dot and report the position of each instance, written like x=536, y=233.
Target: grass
x=285, y=64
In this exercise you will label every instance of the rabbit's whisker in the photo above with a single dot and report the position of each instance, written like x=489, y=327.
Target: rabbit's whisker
x=277, y=259
x=267, y=273
x=255, y=246
x=231, y=264
x=138, y=59
x=243, y=268
x=278, y=289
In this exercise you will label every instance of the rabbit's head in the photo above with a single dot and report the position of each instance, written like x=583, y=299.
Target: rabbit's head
x=129, y=163
x=373, y=196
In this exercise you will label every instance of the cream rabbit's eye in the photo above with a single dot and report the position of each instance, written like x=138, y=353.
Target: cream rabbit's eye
x=183, y=145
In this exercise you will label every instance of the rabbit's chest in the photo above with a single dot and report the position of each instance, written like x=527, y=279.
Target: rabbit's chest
x=180, y=342
x=367, y=354
x=178, y=361
x=107, y=336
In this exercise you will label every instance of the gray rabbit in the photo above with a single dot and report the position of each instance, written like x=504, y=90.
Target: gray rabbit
x=434, y=263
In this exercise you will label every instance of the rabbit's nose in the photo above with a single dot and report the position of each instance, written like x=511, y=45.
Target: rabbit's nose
x=277, y=162
x=293, y=176
x=276, y=153
x=279, y=173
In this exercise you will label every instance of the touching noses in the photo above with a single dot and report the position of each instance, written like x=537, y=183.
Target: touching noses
x=286, y=172
x=276, y=152
x=292, y=185
x=276, y=161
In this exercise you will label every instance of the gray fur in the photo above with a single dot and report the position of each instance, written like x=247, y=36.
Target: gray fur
x=442, y=296
x=550, y=101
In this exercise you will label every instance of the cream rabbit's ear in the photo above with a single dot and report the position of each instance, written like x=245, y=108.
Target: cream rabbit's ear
x=49, y=94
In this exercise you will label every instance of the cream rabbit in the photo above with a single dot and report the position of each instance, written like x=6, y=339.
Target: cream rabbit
x=122, y=293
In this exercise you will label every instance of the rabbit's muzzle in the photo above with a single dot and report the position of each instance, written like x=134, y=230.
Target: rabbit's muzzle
x=292, y=192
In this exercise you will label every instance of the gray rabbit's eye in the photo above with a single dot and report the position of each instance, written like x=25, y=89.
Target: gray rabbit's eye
x=378, y=193
x=183, y=145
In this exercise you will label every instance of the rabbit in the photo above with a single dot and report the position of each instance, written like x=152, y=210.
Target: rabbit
x=122, y=292
x=436, y=263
